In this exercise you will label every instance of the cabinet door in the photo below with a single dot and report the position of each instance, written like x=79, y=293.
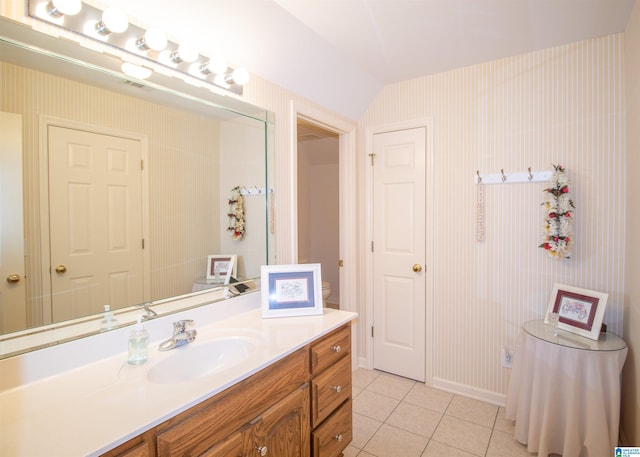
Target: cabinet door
x=283, y=430
x=231, y=447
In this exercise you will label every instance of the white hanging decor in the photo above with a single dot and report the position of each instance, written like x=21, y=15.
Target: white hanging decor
x=558, y=239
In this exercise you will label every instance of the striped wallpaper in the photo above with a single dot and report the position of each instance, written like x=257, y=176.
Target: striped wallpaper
x=563, y=105
x=182, y=167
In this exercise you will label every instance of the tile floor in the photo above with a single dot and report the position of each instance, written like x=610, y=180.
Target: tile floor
x=397, y=417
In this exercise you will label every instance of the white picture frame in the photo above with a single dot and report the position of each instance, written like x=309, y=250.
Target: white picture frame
x=291, y=290
x=220, y=268
x=580, y=311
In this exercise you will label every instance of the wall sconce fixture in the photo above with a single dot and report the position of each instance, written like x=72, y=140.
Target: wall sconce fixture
x=113, y=28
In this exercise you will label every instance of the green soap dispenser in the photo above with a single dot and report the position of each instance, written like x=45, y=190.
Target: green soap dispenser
x=138, y=344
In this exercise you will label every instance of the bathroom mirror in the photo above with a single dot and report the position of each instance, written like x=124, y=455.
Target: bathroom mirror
x=178, y=153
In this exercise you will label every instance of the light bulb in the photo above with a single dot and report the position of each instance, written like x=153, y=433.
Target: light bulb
x=216, y=64
x=153, y=39
x=113, y=20
x=164, y=57
x=58, y=8
x=240, y=76
x=135, y=71
x=187, y=52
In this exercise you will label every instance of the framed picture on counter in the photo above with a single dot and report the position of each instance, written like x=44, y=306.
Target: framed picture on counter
x=291, y=290
x=220, y=268
x=580, y=311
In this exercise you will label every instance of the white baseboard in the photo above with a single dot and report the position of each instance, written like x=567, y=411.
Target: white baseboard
x=363, y=363
x=469, y=391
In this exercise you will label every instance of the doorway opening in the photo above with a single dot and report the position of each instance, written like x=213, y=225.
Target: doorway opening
x=318, y=204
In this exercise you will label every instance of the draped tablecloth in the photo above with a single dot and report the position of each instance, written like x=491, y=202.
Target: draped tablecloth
x=564, y=392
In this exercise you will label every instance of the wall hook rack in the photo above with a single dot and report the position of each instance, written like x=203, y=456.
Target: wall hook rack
x=255, y=190
x=513, y=178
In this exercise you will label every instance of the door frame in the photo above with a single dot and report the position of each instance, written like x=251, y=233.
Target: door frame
x=427, y=123
x=346, y=131
x=45, y=242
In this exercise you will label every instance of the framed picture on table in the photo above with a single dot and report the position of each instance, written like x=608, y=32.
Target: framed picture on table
x=220, y=268
x=580, y=311
x=291, y=290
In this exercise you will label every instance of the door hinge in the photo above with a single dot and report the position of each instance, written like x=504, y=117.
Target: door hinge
x=372, y=157
x=340, y=263
x=142, y=243
x=372, y=331
x=142, y=165
x=372, y=246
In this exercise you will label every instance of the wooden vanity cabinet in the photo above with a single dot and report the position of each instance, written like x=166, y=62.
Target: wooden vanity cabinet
x=299, y=406
x=199, y=428
x=331, y=417
x=283, y=430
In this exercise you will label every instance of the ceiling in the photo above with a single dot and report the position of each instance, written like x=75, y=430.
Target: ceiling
x=340, y=53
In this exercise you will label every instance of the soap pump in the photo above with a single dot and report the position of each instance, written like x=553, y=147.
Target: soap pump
x=138, y=344
x=109, y=321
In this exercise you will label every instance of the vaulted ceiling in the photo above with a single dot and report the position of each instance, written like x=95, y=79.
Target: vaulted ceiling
x=340, y=53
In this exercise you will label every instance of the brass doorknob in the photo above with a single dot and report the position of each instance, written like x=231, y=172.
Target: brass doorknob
x=13, y=278
x=61, y=269
x=417, y=267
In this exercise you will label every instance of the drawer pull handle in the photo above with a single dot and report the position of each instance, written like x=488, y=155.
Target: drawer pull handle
x=337, y=389
x=262, y=450
x=337, y=348
x=338, y=438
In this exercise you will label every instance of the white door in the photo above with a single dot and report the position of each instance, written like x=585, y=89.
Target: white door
x=95, y=216
x=12, y=282
x=399, y=252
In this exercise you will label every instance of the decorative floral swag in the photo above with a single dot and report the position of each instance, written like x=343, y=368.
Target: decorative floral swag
x=558, y=239
x=236, y=214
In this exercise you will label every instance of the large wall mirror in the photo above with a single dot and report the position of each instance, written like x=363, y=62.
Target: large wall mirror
x=116, y=191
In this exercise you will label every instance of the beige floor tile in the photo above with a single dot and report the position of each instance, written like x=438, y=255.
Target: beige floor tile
x=428, y=397
x=355, y=391
x=362, y=377
x=363, y=429
x=415, y=419
x=472, y=410
x=374, y=405
x=389, y=441
x=366, y=454
x=435, y=449
x=463, y=435
x=505, y=445
x=351, y=451
x=503, y=424
x=391, y=386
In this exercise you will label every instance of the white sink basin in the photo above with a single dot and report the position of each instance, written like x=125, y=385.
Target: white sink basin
x=198, y=359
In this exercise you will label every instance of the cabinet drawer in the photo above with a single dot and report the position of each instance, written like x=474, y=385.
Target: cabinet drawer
x=335, y=434
x=329, y=389
x=231, y=447
x=329, y=349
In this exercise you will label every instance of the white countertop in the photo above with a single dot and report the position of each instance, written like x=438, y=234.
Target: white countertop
x=91, y=408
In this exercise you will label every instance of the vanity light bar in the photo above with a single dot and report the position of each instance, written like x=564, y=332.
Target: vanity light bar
x=150, y=45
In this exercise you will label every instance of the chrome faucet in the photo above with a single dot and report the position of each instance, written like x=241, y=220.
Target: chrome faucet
x=183, y=333
x=148, y=312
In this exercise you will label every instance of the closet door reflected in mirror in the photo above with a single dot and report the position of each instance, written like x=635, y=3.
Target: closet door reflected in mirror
x=12, y=288
x=95, y=222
